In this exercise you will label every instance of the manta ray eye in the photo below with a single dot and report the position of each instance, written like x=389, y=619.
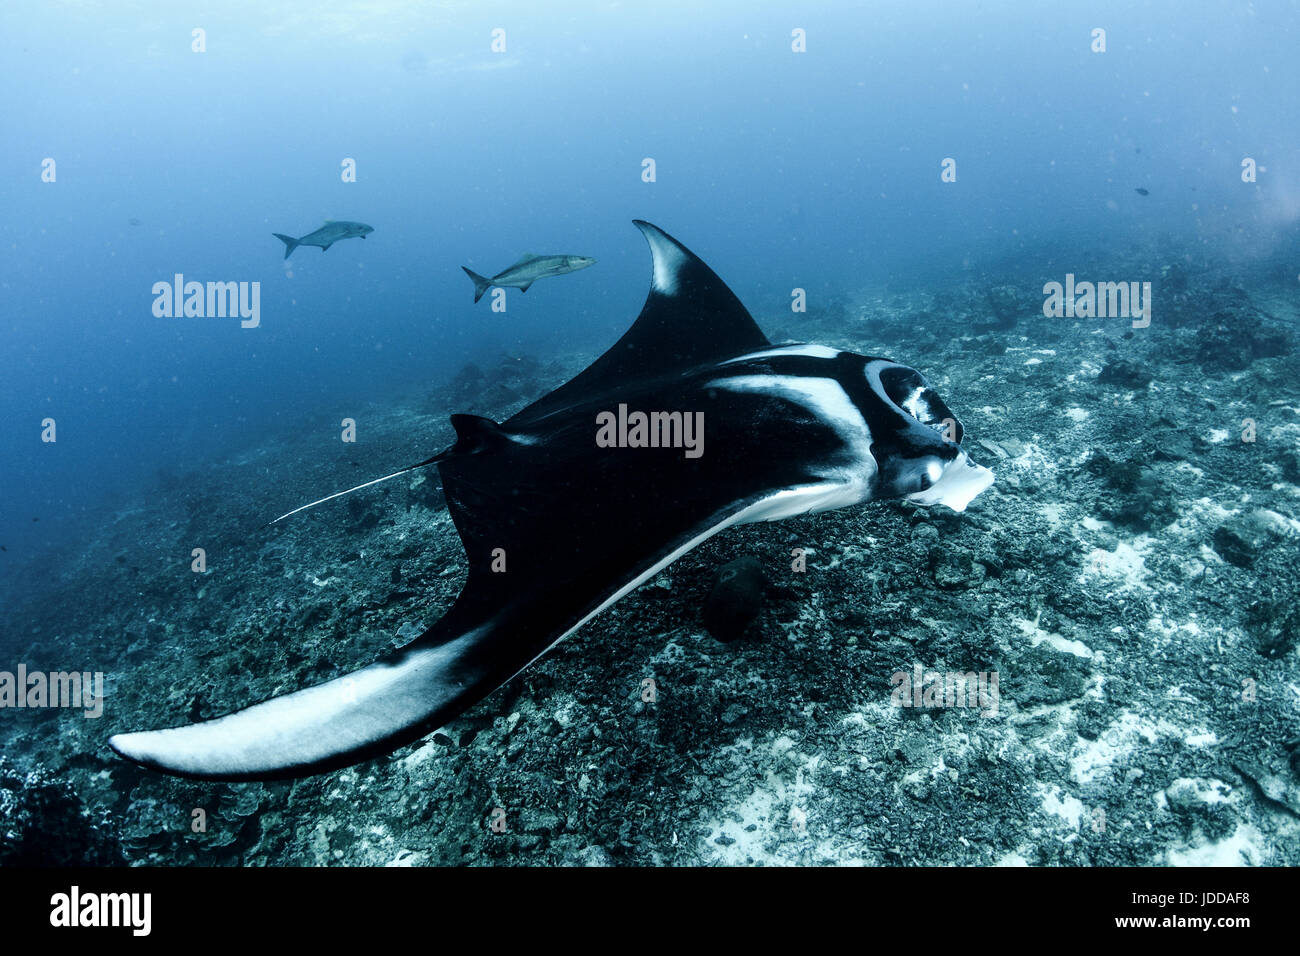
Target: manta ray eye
x=930, y=474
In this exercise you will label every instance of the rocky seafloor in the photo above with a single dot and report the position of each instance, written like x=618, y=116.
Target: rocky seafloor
x=1131, y=578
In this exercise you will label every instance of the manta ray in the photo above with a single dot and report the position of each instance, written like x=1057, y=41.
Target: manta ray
x=558, y=525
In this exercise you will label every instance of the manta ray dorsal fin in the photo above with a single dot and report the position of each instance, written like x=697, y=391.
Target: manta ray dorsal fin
x=689, y=318
x=475, y=434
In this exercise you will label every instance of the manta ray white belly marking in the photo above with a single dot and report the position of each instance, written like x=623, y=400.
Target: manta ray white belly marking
x=793, y=429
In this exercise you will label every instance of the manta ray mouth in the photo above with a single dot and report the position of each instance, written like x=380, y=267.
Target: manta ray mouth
x=961, y=483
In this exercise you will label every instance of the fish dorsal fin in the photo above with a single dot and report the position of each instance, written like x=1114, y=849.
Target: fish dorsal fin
x=689, y=318
x=526, y=257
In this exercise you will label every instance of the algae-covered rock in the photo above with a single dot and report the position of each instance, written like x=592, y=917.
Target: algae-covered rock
x=44, y=823
x=735, y=599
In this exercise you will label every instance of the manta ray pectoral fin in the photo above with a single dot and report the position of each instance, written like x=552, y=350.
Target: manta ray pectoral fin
x=689, y=318
x=366, y=713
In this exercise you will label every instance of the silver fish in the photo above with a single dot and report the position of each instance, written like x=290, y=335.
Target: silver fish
x=528, y=270
x=325, y=236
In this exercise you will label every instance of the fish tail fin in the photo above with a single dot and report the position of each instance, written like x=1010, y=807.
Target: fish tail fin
x=290, y=243
x=481, y=284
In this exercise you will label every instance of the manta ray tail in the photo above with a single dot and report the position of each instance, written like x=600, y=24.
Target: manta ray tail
x=365, y=484
x=290, y=243
x=473, y=434
x=481, y=284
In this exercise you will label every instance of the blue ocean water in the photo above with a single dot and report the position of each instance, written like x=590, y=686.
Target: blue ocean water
x=818, y=169
x=918, y=174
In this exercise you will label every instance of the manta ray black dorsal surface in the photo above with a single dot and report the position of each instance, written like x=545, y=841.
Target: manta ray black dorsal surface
x=692, y=422
x=525, y=486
